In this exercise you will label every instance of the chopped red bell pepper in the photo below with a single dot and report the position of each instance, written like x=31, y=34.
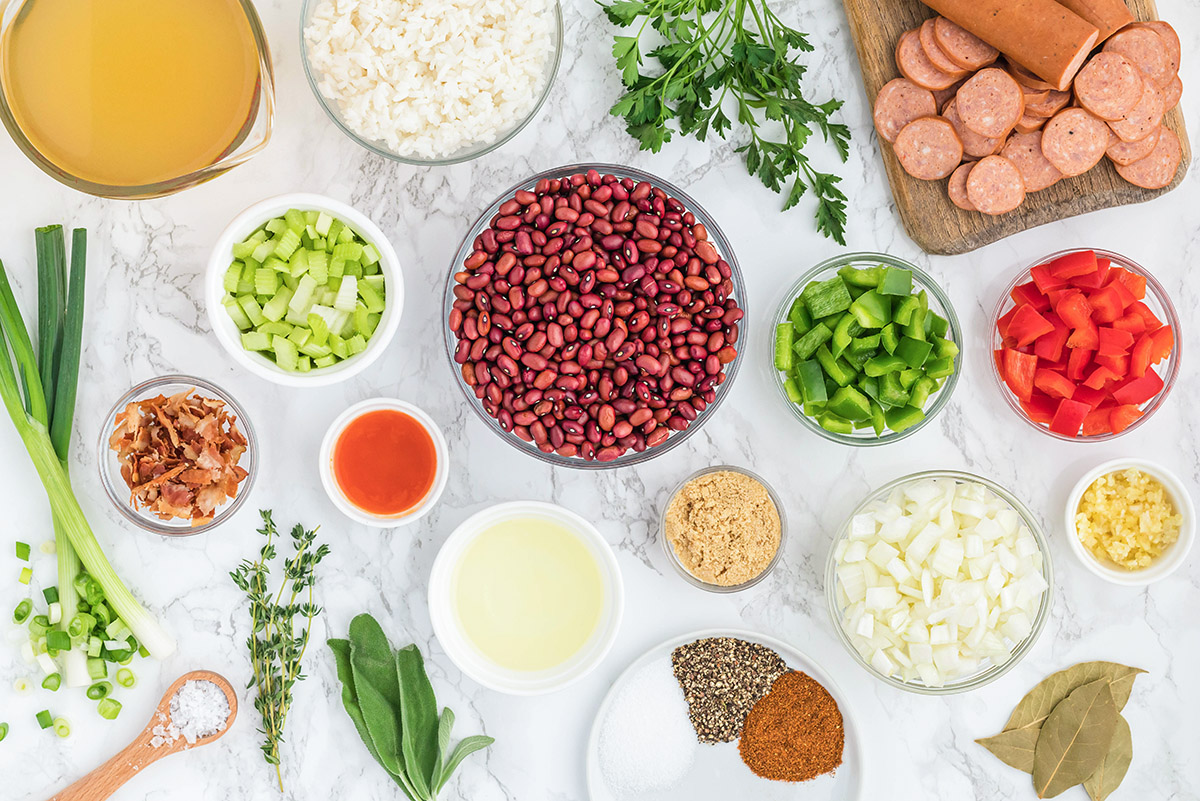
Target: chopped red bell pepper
x=1069, y=417
x=1164, y=343
x=1081, y=262
x=1027, y=325
x=1086, y=336
x=1028, y=293
x=1101, y=378
x=1073, y=309
x=1136, y=284
x=1018, y=372
x=1050, y=346
x=1004, y=321
x=1139, y=357
x=1137, y=391
x=1098, y=421
x=1092, y=397
x=1094, y=280
x=1123, y=292
x=1132, y=323
x=1122, y=417
x=1114, y=342
x=1040, y=407
x=1078, y=363
x=1044, y=280
x=1143, y=311
x=1119, y=364
x=1107, y=304
x=1054, y=384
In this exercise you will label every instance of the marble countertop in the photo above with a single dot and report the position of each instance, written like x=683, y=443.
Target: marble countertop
x=146, y=318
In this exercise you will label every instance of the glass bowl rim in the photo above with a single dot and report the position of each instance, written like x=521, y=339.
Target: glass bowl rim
x=469, y=154
x=144, y=520
x=716, y=235
x=994, y=671
x=158, y=189
x=940, y=400
x=1161, y=296
x=673, y=558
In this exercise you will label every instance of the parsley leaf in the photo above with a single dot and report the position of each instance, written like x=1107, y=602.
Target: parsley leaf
x=727, y=62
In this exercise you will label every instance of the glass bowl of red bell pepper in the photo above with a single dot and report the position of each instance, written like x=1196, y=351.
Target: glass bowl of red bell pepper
x=1086, y=344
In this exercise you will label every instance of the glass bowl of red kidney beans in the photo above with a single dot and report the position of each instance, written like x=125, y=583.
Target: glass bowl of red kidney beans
x=594, y=316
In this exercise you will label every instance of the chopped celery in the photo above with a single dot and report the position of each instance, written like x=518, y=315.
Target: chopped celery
x=252, y=309
x=314, y=350
x=286, y=355
x=300, y=336
x=236, y=313
x=356, y=344
x=347, y=296
x=294, y=218
x=325, y=361
x=319, y=327
x=303, y=297
x=298, y=264
x=233, y=276
x=266, y=281
x=276, y=328
x=276, y=307
x=303, y=364
x=370, y=297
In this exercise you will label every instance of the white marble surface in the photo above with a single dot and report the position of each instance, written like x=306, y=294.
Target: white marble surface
x=146, y=318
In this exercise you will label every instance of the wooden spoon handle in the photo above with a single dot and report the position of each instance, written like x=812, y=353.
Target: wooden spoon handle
x=108, y=778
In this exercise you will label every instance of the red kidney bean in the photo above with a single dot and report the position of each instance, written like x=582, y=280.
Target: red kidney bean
x=593, y=316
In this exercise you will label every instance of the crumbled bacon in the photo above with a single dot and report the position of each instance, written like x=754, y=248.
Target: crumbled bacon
x=179, y=455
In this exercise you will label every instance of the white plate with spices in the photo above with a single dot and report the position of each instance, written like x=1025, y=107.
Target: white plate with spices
x=704, y=772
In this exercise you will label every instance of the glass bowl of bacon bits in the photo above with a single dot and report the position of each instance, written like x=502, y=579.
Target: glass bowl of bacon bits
x=177, y=455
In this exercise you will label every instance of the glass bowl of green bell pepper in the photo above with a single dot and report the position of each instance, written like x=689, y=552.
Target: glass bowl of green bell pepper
x=866, y=349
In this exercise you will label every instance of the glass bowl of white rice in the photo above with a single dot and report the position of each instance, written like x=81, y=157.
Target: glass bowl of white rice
x=431, y=82
x=939, y=582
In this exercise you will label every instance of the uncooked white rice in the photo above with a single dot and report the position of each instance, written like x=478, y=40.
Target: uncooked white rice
x=429, y=78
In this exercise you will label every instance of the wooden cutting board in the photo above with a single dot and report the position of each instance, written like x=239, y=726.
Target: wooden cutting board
x=936, y=224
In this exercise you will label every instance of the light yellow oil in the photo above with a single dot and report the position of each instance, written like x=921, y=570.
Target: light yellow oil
x=528, y=594
x=131, y=92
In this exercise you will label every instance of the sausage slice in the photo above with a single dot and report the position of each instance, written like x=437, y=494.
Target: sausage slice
x=898, y=103
x=1024, y=150
x=964, y=48
x=1125, y=153
x=928, y=148
x=1074, y=141
x=995, y=186
x=1145, y=48
x=916, y=66
x=1143, y=118
x=1029, y=124
x=991, y=103
x=973, y=144
x=1169, y=36
x=934, y=52
x=957, y=188
x=1172, y=94
x=1055, y=102
x=1157, y=169
x=1109, y=85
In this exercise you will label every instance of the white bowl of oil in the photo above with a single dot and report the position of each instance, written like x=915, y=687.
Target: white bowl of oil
x=526, y=597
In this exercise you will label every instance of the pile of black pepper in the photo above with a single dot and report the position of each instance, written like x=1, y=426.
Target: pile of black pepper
x=722, y=679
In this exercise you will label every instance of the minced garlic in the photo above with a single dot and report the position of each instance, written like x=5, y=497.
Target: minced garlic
x=1127, y=518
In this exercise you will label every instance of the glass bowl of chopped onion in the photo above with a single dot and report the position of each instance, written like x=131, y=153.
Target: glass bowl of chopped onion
x=431, y=84
x=939, y=582
x=177, y=455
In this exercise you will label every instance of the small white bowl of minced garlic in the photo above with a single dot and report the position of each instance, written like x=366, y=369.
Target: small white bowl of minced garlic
x=1131, y=521
x=723, y=529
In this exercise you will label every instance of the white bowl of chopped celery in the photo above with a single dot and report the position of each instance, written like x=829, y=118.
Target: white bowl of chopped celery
x=304, y=290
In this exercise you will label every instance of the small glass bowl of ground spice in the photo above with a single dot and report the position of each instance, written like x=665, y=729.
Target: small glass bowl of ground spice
x=1132, y=522
x=723, y=529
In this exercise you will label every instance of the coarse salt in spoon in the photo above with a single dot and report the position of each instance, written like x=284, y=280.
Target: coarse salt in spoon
x=190, y=724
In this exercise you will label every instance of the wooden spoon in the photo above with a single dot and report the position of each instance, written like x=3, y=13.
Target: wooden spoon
x=108, y=778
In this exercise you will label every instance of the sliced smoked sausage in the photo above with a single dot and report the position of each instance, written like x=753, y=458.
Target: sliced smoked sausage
x=991, y=103
x=957, y=188
x=934, y=52
x=964, y=48
x=1074, y=141
x=973, y=144
x=995, y=186
x=1157, y=169
x=1141, y=121
x=1145, y=48
x=1055, y=102
x=1041, y=35
x=1024, y=150
x=1109, y=85
x=1128, y=152
x=898, y=103
x=916, y=66
x=929, y=148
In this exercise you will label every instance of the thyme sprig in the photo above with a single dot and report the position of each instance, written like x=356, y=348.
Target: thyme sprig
x=276, y=646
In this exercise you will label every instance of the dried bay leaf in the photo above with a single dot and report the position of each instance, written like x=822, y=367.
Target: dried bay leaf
x=1075, y=738
x=1014, y=748
x=1112, y=770
x=1039, y=702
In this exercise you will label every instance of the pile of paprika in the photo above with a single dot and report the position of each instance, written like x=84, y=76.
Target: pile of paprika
x=795, y=732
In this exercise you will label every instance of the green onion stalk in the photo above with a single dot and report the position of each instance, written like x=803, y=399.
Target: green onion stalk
x=43, y=421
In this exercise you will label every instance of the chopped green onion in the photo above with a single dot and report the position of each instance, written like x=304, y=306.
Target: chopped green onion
x=48, y=547
x=52, y=682
x=21, y=685
x=100, y=689
x=39, y=625
x=44, y=719
x=109, y=708
x=25, y=576
x=61, y=727
x=126, y=678
x=3, y=731
x=22, y=612
x=23, y=551
x=51, y=594
x=58, y=640
x=55, y=613
x=97, y=668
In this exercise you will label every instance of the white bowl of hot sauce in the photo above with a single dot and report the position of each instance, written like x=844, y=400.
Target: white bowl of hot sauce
x=384, y=462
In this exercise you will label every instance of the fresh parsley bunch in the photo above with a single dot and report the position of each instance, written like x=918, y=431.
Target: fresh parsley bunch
x=714, y=51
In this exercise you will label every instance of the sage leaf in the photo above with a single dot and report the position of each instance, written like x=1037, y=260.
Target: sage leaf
x=445, y=727
x=378, y=689
x=1014, y=748
x=419, y=720
x=465, y=747
x=1112, y=770
x=1074, y=739
x=1039, y=702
